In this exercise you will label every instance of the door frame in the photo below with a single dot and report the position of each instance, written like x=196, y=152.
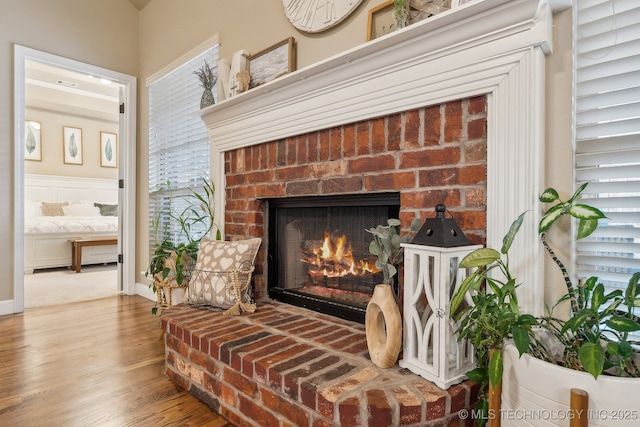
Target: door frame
x=126, y=163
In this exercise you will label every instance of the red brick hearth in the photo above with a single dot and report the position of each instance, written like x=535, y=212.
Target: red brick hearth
x=430, y=155
x=287, y=366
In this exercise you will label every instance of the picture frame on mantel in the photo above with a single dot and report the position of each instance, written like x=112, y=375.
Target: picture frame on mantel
x=72, y=145
x=32, y=141
x=381, y=20
x=108, y=150
x=272, y=62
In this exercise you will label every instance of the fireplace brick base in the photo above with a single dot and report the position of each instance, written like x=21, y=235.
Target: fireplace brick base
x=287, y=366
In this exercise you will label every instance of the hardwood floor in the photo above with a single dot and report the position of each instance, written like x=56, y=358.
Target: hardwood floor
x=93, y=363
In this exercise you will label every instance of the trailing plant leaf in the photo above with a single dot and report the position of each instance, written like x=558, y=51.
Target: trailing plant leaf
x=507, y=241
x=549, y=195
x=480, y=258
x=495, y=367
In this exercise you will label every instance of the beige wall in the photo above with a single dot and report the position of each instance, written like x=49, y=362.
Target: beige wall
x=559, y=154
x=98, y=32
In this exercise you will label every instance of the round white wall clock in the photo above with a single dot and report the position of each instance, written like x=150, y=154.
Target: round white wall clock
x=313, y=16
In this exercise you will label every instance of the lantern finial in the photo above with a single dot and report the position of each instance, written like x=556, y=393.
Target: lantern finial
x=440, y=231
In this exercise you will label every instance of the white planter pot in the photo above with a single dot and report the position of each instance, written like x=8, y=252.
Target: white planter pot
x=537, y=393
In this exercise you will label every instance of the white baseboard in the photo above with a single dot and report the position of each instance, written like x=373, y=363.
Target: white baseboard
x=7, y=307
x=145, y=291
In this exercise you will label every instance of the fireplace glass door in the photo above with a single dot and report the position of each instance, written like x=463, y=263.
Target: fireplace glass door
x=318, y=251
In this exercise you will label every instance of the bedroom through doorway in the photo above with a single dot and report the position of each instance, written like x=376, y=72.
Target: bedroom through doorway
x=75, y=155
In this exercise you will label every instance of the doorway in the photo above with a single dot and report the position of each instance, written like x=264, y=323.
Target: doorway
x=126, y=130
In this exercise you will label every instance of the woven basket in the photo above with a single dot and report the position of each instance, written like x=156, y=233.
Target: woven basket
x=164, y=288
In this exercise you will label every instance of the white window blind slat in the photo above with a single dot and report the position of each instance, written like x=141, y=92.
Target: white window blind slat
x=626, y=78
x=597, y=116
x=612, y=97
x=607, y=132
x=178, y=146
x=608, y=128
x=600, y=158
x=604, y=174
x=619, y=142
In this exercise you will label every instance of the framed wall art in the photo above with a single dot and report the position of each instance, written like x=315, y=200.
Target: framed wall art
x=72, y=145
x=381, y=20
x=32, y=141
x=108, y=150
x=272, y=62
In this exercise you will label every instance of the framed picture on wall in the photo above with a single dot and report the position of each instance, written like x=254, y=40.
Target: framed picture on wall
x=108, y=150
x=381, y=21
x=72, y=145
x=32, y=141
x=272, y=62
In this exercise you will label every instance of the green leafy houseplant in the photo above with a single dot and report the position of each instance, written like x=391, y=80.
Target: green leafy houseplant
x=494, y=315
x=171, y=258
x=596, y=335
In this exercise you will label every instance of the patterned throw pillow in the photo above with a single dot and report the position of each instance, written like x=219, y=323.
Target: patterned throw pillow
x=107, y=210
x=223, y=272
x=53, y=208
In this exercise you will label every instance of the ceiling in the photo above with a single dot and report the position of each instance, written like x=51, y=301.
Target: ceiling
x=70, y=92
x=140, y=4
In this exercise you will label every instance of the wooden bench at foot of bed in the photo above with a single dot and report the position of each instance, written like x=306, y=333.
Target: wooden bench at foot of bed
x=78, y=244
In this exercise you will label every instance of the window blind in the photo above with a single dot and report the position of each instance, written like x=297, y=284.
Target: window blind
x=607, y=135
x=178, y=147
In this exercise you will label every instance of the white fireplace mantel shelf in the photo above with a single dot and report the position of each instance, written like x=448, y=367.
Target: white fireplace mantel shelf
x=486, y=47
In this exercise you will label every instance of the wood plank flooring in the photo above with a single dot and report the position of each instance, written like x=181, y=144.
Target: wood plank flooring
x=93, y=363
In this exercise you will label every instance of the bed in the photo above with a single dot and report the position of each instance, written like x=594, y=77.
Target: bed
x=59, y=209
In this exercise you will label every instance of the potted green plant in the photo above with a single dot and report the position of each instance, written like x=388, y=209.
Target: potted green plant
x=594, y=339
x=493, y=317
x=172, y=257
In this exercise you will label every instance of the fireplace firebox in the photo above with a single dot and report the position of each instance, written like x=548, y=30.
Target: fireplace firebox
x=318, y=251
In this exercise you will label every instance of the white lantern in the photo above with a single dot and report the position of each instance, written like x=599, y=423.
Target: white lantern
x=431, y=277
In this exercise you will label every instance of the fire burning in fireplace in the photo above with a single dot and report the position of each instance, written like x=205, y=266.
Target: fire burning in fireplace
x=318, y=250
x=333, y=257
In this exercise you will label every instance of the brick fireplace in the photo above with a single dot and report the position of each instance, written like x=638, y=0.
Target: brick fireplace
x=427, y=156
x=449, y=110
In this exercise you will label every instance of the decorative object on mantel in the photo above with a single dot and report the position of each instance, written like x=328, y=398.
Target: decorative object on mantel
x=228, y=85
x=431, y=276
x=313, y=16
x=207, y=80
x=272, y=62
x=417, y=10
x=381, y=20
x=383, y=323
x=242, y=81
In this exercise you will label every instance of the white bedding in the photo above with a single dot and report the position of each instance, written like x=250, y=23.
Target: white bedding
x=71, y=224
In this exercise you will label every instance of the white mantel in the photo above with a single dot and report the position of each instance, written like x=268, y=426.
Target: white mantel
x=487, y=47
